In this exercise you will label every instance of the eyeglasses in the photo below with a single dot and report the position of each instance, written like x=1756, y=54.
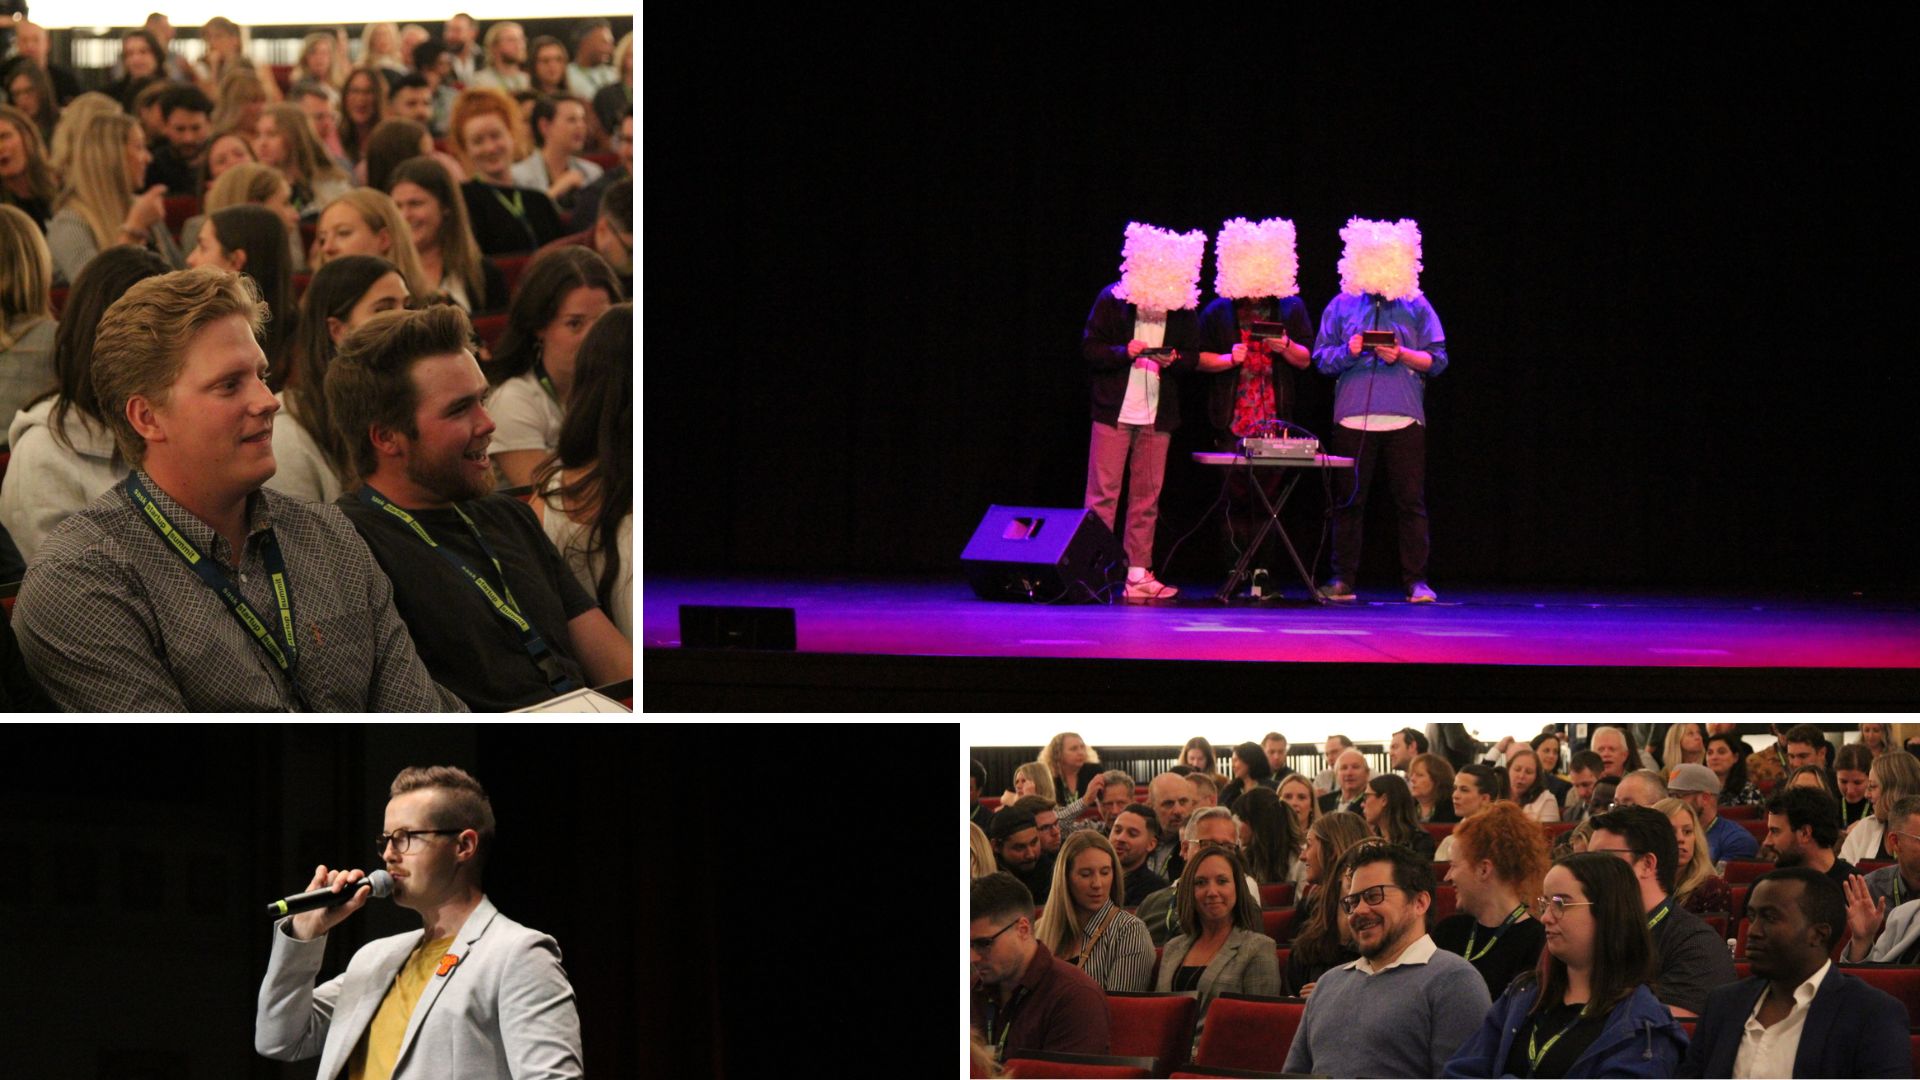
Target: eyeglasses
x=1556, y=904
x=985, y=944
x=1374, y=897
x=402, y=839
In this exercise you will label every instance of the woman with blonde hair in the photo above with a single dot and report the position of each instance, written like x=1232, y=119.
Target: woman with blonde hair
x=284, y=139
x=366, y=222
x=380, y=48
x=1893, y=777
x=26, y=181
x=429, y=199
x=1685, y=745
x=1072, y=763
x=26, y=312
x=261, y=185
x=73, y=118
x=322, y=59
x=982, y=852
x=1083, y=922
x=1695, y=886
x=1323, y=941
x=1033, y=778
x=241, y=97
x=97, y=208
x=1297, y=792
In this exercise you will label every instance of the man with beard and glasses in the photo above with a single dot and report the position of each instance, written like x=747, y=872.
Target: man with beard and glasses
x=496, y=614
x=1405, y=1006
x=1132, y=836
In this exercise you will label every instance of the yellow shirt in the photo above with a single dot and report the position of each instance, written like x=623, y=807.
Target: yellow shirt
x=379, y=1048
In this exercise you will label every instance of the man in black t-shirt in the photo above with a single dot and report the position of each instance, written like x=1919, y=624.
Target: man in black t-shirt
x=494, y=611
x=178, y=156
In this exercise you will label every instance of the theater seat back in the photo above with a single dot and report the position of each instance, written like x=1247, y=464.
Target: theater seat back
x=1157, y=1026
x=1247, y=1032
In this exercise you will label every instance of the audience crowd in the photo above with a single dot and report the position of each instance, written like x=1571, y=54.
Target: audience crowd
x=259, y=323
x=1576, y=919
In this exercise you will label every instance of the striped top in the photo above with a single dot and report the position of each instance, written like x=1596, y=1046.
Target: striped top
x=1121, y=954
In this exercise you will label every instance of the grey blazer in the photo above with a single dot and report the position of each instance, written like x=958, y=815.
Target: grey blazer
x=505, y=1011
x=1246, y=964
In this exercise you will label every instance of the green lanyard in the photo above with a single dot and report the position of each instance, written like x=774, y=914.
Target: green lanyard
x=517, y=207
x=1512, y=918
x=993, y=1020
x=1534, y=1057
x=1665, y=906
x=540, y=373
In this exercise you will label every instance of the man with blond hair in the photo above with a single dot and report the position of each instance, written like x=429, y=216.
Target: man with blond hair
x=472, y=994
x=190, y=587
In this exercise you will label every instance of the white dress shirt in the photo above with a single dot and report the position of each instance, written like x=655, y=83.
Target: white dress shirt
x=1417, y=953
x=1769, y=1051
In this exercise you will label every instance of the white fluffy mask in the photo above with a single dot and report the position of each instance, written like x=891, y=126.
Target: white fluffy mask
x=1256, y=260
x=1160, y=269
x=1381, y=257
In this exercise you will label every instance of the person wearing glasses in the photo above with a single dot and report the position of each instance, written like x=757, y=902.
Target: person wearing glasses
x=1587, y=1010
x=471, y=994
x=1220, y=948
x=1498, y=858
x=1024, y=998
x=1405, y=1006
x=1691, y=959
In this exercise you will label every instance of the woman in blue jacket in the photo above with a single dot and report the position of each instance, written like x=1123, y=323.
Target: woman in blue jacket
x=1586, y=1010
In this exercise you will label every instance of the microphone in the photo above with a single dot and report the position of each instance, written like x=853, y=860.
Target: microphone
x=380, y=881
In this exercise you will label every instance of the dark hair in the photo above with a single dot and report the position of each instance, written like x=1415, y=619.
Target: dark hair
x=1010, y=820
x=546, y=108
x=1255, y=758
x=1246, y=907
x=1853, y=756
x=426, y=54
x=979, y=773
x=106, y=278
x=999, y=895
x=1181, y=769
x=1904, y=807
x=1412, y=872
x=597, y=434
x=1623, y=956
x=412, y=80
x=1647, y=832
x=1737, y=775
x=1317, y=939
x=333, y=292
x=1276, y=834
x=616, y=204
x=1807, y=808
x=588, y=26
x=1808, y=735
x=391, y=142
x=533, y=54
x=1205, y=747
x=184, y=97
x=354, y=135
x=549, y=278
x=459, y=252
x=262, y=234
x=1401, y=821
x=1415, y=739
x=1146, y=816
x=1822, y=901
x=1486, y=780
x=1588, y=760
x=49, y=114
x=370, y=384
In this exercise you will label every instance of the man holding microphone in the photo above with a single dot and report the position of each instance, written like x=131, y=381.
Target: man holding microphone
x=473, y=994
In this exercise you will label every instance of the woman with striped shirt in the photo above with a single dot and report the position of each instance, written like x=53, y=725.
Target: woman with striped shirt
x=1083, y=923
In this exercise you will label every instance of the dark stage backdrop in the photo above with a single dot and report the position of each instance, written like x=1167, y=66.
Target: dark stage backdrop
x=1672, y=263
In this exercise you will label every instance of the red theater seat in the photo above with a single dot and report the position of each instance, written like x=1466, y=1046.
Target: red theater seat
x=179, y=209
x=1868, y=866
x=1740, y=946
x=300, y=282
x=1280, y=956
x=1439, y=831
x=511, y=267
x=608, y=161
x=59, y=298
x=1901, y=982
x=1276, y=895
x=991, y=802
x=1739, y=905
x=1247, y=1032
x=1743, y=813
x=1279, y=923
x=1757, y=828
x=1555, y=828
x=490, y=327
x=1030, y=1063
x=1445, y=901
x=1742, y=969
x=1157, y=1026
x=1719, y=924
x=1743, y=871
x=283, y=74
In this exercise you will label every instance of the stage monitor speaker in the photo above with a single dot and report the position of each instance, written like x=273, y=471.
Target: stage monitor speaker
x=727, y=627
x=1044, y=553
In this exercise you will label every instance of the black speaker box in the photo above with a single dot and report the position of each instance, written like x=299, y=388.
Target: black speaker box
x=1030, y=553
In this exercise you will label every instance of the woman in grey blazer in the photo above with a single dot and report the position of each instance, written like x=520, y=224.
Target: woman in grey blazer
x=1222, y=949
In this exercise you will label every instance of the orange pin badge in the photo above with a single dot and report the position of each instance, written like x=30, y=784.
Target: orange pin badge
x=447, y=963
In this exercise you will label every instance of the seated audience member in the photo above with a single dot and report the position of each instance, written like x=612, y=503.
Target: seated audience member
x=393, y=142
x=1404, y=1007
x=1172, y=800
x=1798, y=1015
x=584, y=492
x=1586, y=1010
x=252, y=240
x=278, y=607
x=560, y=134
x=1392, y=815
x=172, y=68
x=27, y=325
x=1296, y=791
x=97, y=208
x=1220, y=948
x=1405, y=745
x=1206, y=790
x=612, y=236
x=1475, y=788
x=1074, y=766
x=241, y=97
x=1802, y=828
x=506, y=54
x=563, y=294
x=411, y=98
x=1248, y=761
x=363, y=104
x=1551, y=749
x=1273, y=743
x=1850, y=771
x=1270, y=838
x=1641, y=787
x=430, y=203
x=1881, y=916
x=1806, y=744
x=592, y=66
x=1530, y=788
x=1696, y=887
x=432, y=62
x=1430, y=779
x=1893, y=777
x=616, y=97
x=366, y=222
x=1583, y=773
x=1208, y=825
x=179, y=158
x=1046, y=818
x=64, y=455
x=1083, y=923
x=1323, y=941
x=406, y=392
x=1691, y=959
x=225, y=150
x=73, y=118
x=1108, y=793
x=284, y=139
x=586, y=211
x=1018, y=850
x=981, y=854
x=547, y=73
x=1698, y=787
x=140, y=60
x=1031, y=778
x=506, y=218
x=323, y=59
x=1900, y=882
x=1727, y=760
x=978, y=813
x=1350, y=786
x=1133, y=837
x=249, y=182
x=28, y=90
x=380, y=48
x=1499, y=857
x=343, y=295
x=1025, y=999
x=224, y=51
x=1336, y=745
x=31, y=42
x=1683, y=744
x=26, y=181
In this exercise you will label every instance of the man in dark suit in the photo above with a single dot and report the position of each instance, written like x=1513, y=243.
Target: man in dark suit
x=1798, y=1015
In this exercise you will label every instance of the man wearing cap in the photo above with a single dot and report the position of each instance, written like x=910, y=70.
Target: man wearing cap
x=1697, y=786
x=1016, y=847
